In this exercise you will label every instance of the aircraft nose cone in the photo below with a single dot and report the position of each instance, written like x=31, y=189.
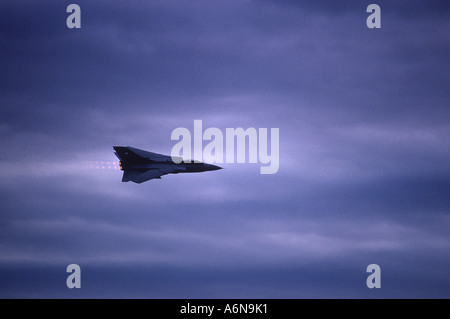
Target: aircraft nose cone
x=213, y=167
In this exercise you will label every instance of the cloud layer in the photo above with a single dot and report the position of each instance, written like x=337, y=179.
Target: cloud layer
x=364, y=150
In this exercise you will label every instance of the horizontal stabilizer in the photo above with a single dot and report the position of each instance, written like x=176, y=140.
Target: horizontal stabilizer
x=130, y=175
x=140, y=177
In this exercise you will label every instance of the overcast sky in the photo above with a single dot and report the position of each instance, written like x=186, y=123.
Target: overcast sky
x=364, y=173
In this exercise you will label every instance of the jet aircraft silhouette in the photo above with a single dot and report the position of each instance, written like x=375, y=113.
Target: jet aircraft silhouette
x=140, y=166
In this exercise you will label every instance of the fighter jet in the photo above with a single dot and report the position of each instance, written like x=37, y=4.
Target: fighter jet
x=140, y=166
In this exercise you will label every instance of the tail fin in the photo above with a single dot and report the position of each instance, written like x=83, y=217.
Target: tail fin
x=126, y=155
